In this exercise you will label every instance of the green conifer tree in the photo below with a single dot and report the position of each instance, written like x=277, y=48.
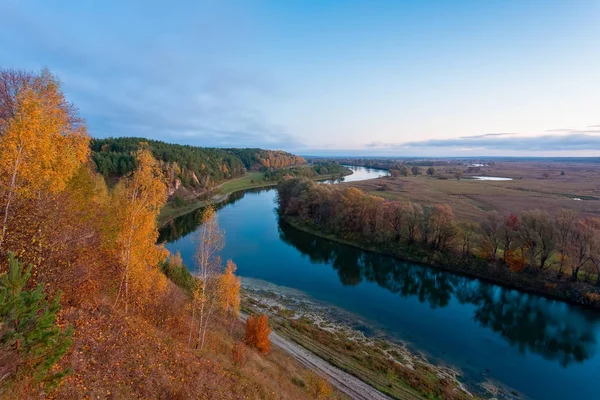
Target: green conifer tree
x=29, y=336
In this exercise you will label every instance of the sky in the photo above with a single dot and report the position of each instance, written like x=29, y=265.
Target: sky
x=400, y=78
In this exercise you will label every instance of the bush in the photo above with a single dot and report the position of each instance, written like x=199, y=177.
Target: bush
x=298, y=382
x=179, y=201
x=257, y=333
x=178, y=273
x=593, y=298
x=239, y=353
x=318, y=387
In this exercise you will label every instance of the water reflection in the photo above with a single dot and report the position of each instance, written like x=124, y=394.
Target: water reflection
x=549, y=328
x=188, y=223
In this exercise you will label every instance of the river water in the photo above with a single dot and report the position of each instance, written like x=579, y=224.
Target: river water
x=543, y=349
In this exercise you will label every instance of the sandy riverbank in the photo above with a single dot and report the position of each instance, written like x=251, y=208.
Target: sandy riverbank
x=316, y=326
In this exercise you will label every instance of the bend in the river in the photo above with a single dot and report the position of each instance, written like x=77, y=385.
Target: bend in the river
x=544, y=349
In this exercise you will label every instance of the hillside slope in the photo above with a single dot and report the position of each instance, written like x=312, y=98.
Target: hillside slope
x=190, y=170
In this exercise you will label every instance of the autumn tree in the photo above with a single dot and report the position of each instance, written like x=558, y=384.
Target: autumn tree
x=509, y=233
x=395, y=215
x=490, y=229
x=593, y=245
x=443, y=229
x=318, y=387
x=229, y=286
x=415, y=170
x=414, y=215
x=239, y=354
x=565, y=223
x=138, y=199
x=539, y=235
x=42, y=141
x=353, y=202
x=257, y=333
x=430, y=171
x=210, y=242
x=468, y=232
x=581, y=246
x=373, y=218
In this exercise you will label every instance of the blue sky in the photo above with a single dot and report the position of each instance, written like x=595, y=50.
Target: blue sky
x=431, y=78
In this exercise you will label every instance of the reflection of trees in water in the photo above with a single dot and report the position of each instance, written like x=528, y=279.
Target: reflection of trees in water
x=550, y=328
x=188, y=223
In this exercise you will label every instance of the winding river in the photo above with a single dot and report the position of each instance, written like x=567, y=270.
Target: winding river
x=543, y=349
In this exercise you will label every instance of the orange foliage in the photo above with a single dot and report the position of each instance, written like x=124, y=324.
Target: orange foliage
x=230, y=290
x=515, y=261
x=257, y=333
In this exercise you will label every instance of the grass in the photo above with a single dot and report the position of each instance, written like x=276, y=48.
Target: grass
x=248, y=181
x=472, y=199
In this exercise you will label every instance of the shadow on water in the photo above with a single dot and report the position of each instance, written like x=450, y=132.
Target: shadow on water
x=552, y=329
x=188, y=223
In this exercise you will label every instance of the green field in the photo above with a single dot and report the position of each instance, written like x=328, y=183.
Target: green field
x=248, y=181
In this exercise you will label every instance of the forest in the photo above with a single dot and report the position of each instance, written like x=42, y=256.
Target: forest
x=198, y=167
x=90, y=305
x=313, y=170
x=556, y=255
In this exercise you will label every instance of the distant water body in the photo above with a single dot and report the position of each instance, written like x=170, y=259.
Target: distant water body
x=492, y=178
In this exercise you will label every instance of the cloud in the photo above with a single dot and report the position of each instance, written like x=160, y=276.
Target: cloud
x=560, y=130
x=174, y=87
x=487, y=135
x=574, y=141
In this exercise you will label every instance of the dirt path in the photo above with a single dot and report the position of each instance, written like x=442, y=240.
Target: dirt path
x=344, y=382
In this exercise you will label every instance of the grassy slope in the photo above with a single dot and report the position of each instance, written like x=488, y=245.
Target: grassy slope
x=119, y=356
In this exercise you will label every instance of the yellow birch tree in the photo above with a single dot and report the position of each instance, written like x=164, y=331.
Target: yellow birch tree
x=230, y=292
x=138, y=200
x=42, y=144
x=211, y=241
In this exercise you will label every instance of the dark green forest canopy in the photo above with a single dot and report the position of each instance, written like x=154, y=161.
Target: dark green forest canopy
x=197, y=166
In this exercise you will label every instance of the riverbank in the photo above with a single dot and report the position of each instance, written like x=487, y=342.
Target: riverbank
x=252, y=180
x=547, y=284
x=347, y=384
x=339, y=337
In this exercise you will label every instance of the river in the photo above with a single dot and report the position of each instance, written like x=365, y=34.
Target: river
x=543, y=349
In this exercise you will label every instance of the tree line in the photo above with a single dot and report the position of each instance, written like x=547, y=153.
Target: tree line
x=312, y=171
x=200, y=167
x=67, y=240
x=388, y=162
x=558, y=255
x=505, y=311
